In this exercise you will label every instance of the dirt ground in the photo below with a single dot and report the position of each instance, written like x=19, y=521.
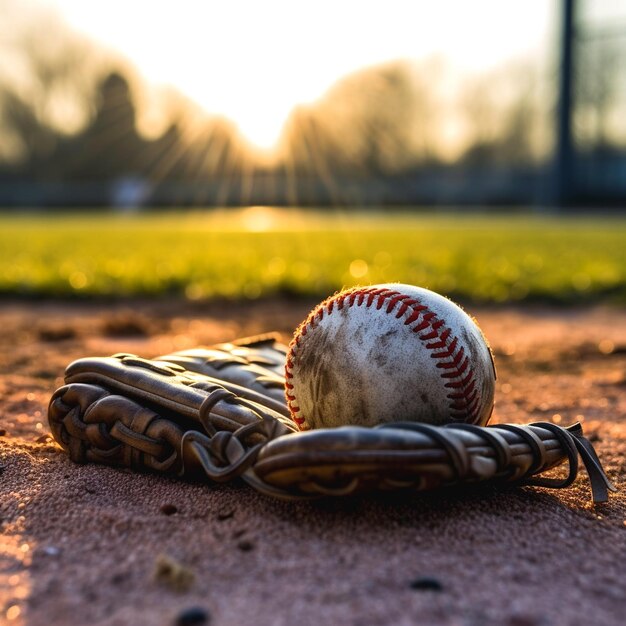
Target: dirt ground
x=95, y=545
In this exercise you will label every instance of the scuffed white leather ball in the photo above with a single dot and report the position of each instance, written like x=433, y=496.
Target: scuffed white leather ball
x=389, y=353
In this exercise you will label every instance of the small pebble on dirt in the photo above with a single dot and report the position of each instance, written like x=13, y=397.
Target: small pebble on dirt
x=193, y=616
x=521, y=619
x=126, y=325
x=170, y=573
x=56, y=333
x=426, y=583
x=168, y=509
x=245, y=545
x=119, y=578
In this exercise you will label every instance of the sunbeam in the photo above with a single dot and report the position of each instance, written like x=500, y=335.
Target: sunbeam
x=254, y=62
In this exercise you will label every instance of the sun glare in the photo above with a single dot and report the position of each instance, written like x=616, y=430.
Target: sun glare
x=262, y=131
x=253, y=62
x=258, y=219
x=260, y=120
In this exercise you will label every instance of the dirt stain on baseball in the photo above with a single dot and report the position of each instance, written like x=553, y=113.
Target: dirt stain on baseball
x=313, y=365
x=379, y=354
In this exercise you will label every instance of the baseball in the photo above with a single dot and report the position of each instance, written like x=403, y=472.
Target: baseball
x=388, y=353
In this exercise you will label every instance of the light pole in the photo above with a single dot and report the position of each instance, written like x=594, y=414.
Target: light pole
x=564, y=149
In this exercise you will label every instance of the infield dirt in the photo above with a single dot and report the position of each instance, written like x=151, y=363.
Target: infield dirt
x=95, y=545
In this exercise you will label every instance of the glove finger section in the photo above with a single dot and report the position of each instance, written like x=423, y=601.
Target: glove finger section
x=94, y=425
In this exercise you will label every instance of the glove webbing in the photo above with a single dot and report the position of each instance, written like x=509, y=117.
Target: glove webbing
x=85, y=421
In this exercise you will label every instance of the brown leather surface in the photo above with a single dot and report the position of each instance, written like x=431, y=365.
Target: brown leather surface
x=127, y=411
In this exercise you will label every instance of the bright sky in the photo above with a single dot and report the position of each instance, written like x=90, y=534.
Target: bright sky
x=254, y=61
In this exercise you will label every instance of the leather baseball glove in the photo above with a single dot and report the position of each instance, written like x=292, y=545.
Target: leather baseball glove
x=220, y=413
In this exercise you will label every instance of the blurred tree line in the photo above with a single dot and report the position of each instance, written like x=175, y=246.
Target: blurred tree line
x=69, y=113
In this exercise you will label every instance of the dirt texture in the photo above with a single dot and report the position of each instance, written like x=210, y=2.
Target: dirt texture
x=94, y=545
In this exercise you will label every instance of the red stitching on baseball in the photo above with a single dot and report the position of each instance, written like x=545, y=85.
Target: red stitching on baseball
x=456, y=359
x=464, y=399
x=393, y=302
x=424, y=324
x=443, y=338
x=457, y=385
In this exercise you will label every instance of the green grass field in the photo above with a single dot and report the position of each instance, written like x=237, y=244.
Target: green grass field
x=256, y=252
